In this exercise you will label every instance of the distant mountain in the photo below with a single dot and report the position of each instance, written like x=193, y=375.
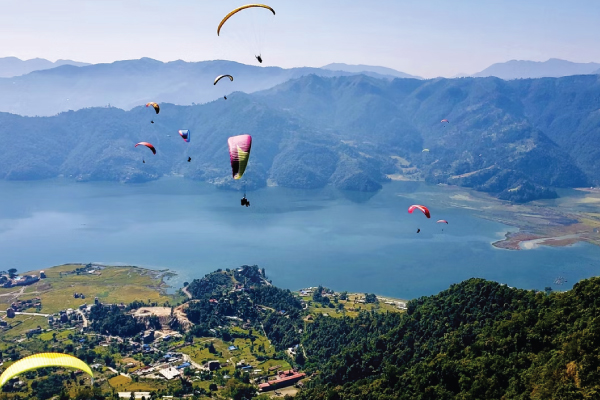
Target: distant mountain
x=127, y=84
x=13, y=66
x=368, y=69
x=553, y=68
x=514, y=139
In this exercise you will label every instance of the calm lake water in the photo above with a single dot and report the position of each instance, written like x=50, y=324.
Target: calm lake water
x=346, y=241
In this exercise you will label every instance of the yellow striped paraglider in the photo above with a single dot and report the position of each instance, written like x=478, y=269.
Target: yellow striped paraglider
x=44, y=360
x=237, y=10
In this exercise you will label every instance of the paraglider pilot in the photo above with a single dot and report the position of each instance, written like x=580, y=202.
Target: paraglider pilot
x=245, y=201
x=259, y=58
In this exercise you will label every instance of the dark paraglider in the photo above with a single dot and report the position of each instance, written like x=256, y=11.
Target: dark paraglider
x=189, y=159
x=259, y=58
x=419, y=230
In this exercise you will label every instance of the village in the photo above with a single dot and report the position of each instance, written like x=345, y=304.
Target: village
x=160, y=350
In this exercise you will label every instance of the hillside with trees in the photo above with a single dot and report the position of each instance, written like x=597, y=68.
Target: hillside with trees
x=517, y=140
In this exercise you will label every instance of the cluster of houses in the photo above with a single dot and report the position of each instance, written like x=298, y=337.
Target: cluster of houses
x=19, y=280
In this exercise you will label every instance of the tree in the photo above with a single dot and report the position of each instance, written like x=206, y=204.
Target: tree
x=212, y=387
x=300, y=360
x=371, y=298
x=12, y=272
x=238, y=391
x=211, y=348
x=318, y=295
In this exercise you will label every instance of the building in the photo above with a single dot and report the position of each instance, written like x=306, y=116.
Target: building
x=170, y=373
x=136, y=395
x=232, y=348
x=10, y=313
x=284, y=379
x=42, y=275
x=184, y=365
x=35, y=331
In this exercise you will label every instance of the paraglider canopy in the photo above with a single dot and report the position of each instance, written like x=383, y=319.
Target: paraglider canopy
x=442, y=221
x=43, y=360
x=185, y=134
x=239, y=153
x=445, y=120
x=425, y=151
x=237, y=10
x=154, y=105
x=218, y=78
x=423, y=209
x=148, y=145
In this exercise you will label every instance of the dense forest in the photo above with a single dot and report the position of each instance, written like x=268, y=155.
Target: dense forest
x=476, y=340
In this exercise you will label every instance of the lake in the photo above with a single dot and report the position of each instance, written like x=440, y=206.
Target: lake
x=360, y=242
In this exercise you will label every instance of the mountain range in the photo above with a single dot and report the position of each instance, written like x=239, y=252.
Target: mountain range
x=13, y=66
x=552, y=68
x=130, y=83
x=367, y=69
x=515, y=139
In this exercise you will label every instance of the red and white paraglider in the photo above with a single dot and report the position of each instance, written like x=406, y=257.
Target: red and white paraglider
x=421, y=208
x=148, y=145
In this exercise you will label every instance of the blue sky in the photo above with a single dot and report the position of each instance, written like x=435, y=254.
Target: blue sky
x=422, y=37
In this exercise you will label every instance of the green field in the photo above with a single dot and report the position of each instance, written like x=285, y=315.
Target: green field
x=111, y=285
x=351, y=308
x=200, y=354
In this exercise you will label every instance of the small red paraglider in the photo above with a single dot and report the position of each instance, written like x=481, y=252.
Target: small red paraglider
x=423, y=209
x=148, y=145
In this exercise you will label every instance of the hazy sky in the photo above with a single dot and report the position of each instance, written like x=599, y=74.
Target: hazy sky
x=422, y=37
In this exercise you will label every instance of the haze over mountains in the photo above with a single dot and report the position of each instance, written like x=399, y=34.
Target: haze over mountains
x=366, y=69
x=553, y=68
x=127, y=84
x=13, y=66
x=513, y=139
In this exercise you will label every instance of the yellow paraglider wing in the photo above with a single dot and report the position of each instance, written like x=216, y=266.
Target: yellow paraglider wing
x=240, y=9
x=44, y=360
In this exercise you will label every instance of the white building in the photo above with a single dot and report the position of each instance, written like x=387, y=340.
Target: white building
x=170, y=373
x=137, y=395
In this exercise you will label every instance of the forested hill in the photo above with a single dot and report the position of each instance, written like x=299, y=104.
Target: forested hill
x=515, y=139
x=476, y=340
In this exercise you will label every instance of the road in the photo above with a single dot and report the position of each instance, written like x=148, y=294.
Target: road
x=194, y=364
x=29, y=313
x=184, y=290
x=85, y=320
x=117, y=372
